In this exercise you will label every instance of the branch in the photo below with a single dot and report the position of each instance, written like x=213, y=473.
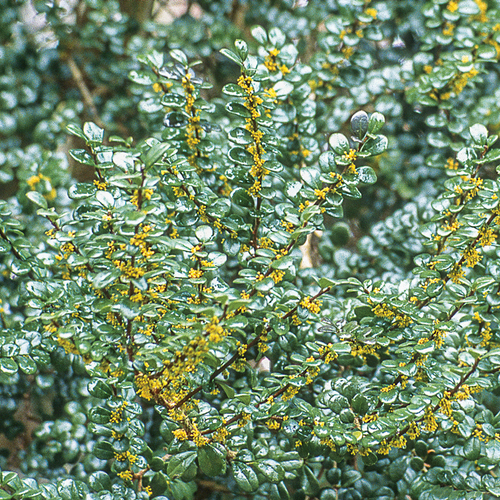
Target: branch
x=82, y=86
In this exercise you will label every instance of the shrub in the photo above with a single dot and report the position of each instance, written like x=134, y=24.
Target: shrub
x=231, y=304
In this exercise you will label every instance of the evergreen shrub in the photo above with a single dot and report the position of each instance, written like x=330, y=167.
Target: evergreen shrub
x=277, y=272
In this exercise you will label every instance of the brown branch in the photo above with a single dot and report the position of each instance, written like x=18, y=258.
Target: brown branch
x=82, y=86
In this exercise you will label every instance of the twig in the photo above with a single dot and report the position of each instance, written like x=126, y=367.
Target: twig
x=87, y=96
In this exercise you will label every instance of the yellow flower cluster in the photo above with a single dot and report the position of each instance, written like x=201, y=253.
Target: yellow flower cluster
x=273, y=424
x=68, y=248
x=321, y=193
x=117, y=414
x=451, y=164
x=350, y=156
x=270, y=60
x=382, y=310
x=311, y=374
x=129, y=269
x=221, y=434
x=245, y=418
x=126, y=455
x=371, y=12
x=180, y=434
x=193, y=129
x=329, y=442
x=486, y=236
x=430, y=423
x=456, y=274
x=471, y=256
x=195, y=273
x=290, y=392
x=126, y=475
x=327, y=353
x=100, y=185
x=68, y=346
x=277, y=275
x=313, y=306
x=448, y=29
x=139, y=240
x=252, y=102
x=214, y=331
x=413, y=430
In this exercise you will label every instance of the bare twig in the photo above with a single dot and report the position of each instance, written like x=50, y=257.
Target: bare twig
x=82, y=86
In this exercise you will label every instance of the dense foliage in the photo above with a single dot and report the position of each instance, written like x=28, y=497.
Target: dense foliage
x=250, y=253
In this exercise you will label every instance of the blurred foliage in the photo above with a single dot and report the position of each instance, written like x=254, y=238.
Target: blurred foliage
x=218, y=279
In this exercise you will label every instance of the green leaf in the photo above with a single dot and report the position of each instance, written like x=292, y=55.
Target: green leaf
x=99, y=388
x=479, y=134
x=259, y=33
x=4, y=246
x=339, y=143
x=311, y=486
x=142, y=77
x=241, y=136
x=472, y=448
x=311, y=176
x=233, y=90
x=282, y=263
x=103, y=450
x=27, y=365
x=231, y=55
x=367, y=175
x=283, y=89
x=350, y=477
x=105, y=278
x=375, y=146
x=37, y=198
x=359, y=124
x=375, y=123
x=173, y=100
x=238, y=109
x=242, y=48
x=179, y=463
x=204, y=233
x=81, y=156
x=155, y=153
x=93, y=133
x=271, y=470
x=76, y=130
x=240, y=156
x=99, y=481
x=99, y=415
x=179, y=56
x=244, y=476
x=276, y=37
x=228, y=390
x=8, y=366
x=212, y=460
x=241, y=198
x=81, y=190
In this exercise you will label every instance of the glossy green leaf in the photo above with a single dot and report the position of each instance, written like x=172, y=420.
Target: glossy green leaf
x=212, y=460
x=244, y=476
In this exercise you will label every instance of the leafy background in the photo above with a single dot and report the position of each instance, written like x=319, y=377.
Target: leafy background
x=430, y=68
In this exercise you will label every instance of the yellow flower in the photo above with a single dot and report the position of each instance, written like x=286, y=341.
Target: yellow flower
x=471, y=256
x=311, y=306
x=273, y=424
x=456, y=274
x=486, y=236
